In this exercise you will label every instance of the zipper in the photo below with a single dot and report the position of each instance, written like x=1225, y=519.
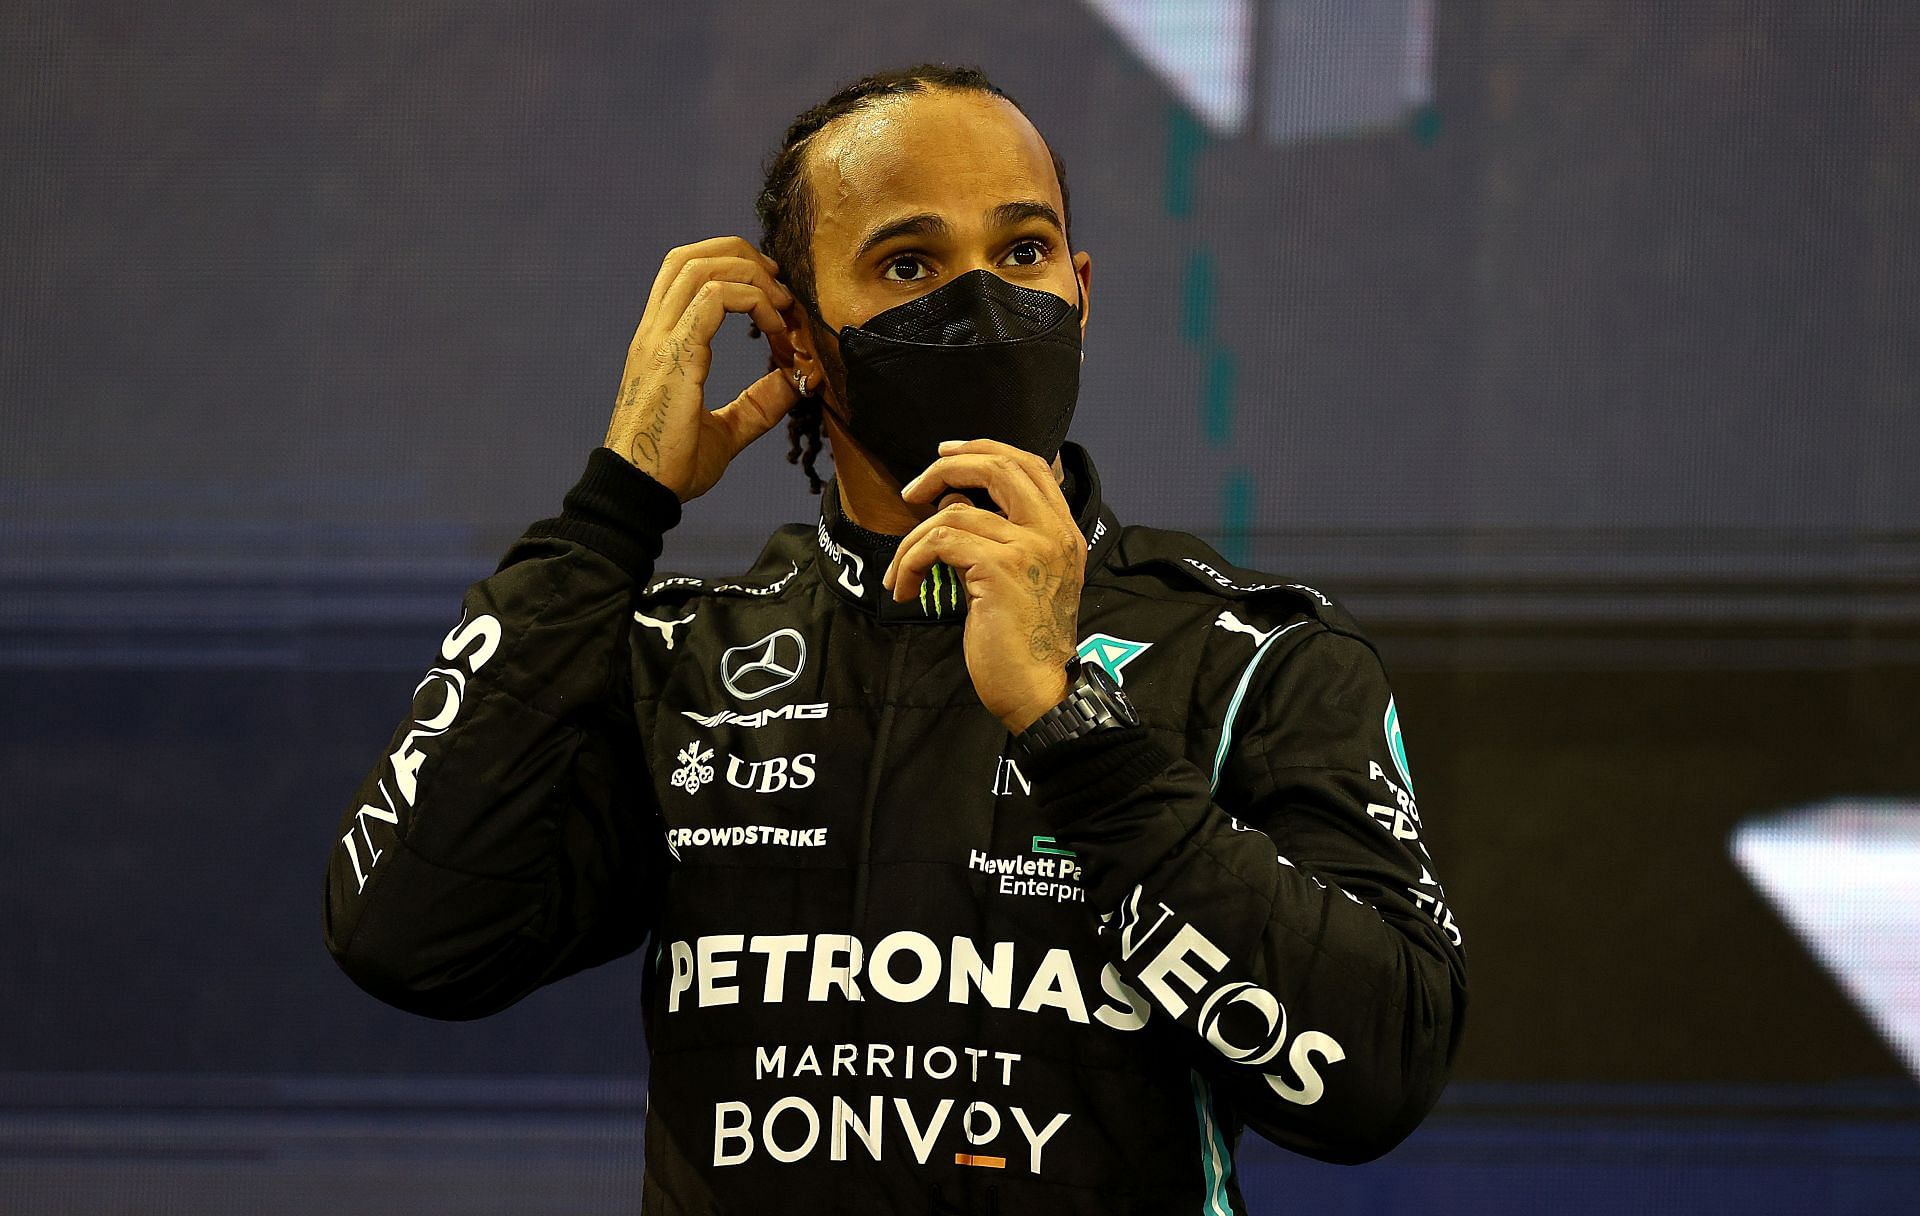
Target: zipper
x=876, y=773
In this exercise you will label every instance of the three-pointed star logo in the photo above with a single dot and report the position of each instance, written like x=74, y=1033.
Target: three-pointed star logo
x=1111, y=654
x=768, y=665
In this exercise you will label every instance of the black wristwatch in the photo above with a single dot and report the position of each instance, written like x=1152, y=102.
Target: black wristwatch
x=1093, y=702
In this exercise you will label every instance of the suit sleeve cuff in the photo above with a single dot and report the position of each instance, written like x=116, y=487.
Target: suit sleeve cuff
x=1078, y=778
x=1106, y=795
x=617, y=511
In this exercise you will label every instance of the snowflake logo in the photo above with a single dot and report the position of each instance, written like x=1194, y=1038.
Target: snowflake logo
x=694, y=771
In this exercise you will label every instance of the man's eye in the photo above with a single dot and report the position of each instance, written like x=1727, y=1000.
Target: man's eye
x=1037, y=247
x=904, y=261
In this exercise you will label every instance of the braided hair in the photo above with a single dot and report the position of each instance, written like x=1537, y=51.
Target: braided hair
x=785, y=208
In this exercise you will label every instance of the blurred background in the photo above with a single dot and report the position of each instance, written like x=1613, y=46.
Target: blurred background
x=1576, y=346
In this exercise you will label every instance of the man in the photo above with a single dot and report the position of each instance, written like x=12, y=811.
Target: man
x=991, y=855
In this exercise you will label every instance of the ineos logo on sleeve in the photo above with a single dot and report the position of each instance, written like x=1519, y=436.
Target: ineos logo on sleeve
x=768, y=665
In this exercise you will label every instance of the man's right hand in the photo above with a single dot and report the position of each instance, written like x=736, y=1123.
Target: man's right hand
x=660, y=423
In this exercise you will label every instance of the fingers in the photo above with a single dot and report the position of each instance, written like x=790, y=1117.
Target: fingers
x=963, y=550
x=719, y=247
x=1019, y=482
x=959, y=517
x=757, y=409
x=679, y=295
x=1004, y=472
x=716, y=298
x=779, y=342
x=684, y=274
x=1030, y=463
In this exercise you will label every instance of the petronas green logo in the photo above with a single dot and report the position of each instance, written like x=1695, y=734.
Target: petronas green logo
x=1112, y=653
x=1396, y=744
x=940, y=590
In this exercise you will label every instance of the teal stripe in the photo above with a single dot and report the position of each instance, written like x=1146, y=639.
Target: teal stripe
x=1217, y=398
x=1216, y=1158
x=1239, y=694
x=1236, y=515
x=1196, y=298
x=1185, y=139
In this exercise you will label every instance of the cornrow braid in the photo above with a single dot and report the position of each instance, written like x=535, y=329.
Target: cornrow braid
x=785, y=208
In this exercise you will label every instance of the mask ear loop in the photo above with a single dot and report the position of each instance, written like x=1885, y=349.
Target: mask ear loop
x=820, y=390
x=828, y=410
x=1079, y=307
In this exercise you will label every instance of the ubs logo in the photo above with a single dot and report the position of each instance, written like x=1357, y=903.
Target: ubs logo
x=768, y=665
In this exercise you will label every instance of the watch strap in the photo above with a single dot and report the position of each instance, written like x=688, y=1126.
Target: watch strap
x=1093, y=702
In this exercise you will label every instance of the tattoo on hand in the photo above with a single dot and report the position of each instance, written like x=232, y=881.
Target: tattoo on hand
x=676, y=352
x=1051, y=638
x=648, y=440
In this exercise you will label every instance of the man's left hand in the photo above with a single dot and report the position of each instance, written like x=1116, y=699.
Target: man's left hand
x=1022, y=571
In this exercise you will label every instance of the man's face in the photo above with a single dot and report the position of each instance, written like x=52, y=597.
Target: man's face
x=916, y=190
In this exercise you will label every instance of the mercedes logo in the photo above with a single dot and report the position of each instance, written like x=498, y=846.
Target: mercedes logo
x=765, y=666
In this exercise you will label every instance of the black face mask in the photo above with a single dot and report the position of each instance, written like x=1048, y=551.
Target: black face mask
x=979, y=358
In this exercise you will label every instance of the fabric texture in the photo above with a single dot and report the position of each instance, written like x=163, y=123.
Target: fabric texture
x=889, y=963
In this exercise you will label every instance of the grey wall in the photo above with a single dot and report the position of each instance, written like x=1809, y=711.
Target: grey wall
x=342, y=295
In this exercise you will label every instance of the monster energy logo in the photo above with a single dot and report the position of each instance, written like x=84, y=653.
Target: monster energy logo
x=940, y=590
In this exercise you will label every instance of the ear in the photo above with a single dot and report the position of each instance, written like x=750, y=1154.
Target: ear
x=782, y=344
x=1083, y=270
x=796, y=350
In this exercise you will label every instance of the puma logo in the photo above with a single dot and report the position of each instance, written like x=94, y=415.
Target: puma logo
x=666, y=628
x=1233, y=624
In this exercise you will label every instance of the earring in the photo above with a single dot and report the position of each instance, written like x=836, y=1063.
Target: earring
x=800, y=382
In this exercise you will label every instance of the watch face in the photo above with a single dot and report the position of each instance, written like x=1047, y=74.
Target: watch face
x=1097, y=676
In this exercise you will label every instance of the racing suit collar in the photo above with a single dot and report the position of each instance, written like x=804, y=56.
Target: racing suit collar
x=852, y=559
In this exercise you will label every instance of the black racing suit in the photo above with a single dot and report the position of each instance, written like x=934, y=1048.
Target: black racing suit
x=893, y=965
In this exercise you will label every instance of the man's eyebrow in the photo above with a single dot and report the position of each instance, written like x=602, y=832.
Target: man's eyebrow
x=924, y=224
x=928, y=224
x=1008, y=214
